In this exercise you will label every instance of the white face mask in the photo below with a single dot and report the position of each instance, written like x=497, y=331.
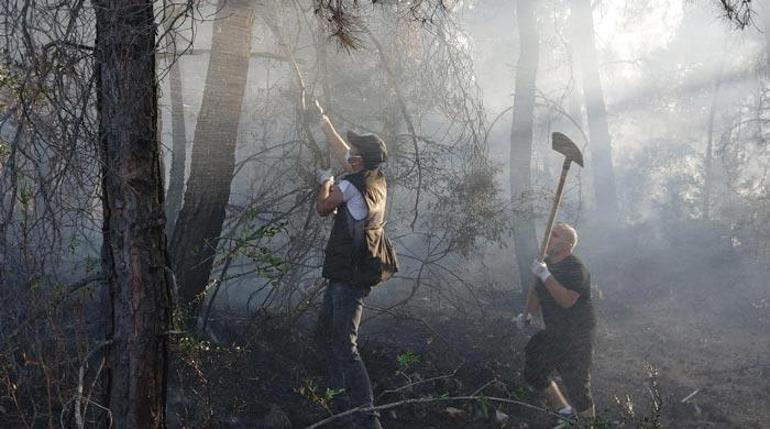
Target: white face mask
x=350, y=158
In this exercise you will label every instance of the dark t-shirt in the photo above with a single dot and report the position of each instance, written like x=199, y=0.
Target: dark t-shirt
x=578, y=321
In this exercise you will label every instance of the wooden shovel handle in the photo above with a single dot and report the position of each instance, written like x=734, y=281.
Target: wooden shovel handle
x=554, y=209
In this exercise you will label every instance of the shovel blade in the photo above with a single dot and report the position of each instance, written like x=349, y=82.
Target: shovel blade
x=562, y=144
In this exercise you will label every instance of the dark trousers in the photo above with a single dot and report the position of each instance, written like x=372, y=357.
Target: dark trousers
x=546, y=352
x=338, y=334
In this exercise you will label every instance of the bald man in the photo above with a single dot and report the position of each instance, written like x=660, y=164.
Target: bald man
x=562, y=294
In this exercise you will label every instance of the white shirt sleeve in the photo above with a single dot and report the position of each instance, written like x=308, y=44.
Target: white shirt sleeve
x=353, y=199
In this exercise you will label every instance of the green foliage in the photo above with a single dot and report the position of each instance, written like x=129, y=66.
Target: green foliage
x=179, y=316
x=25, y=196
x=332, y=393
x=310, y=390
x=252, y=244
x=484, y=404
x=13, y=87
x=190, y=348
x=8, y=84
x=263, y=232
x=406, y=359
x=6, y=80
x=520, y=393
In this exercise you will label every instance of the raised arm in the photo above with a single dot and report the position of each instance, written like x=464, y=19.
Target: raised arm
x=337, y=144
x=329, y=198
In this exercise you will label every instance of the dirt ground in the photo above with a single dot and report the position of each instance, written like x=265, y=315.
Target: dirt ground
x=700, y=324
x=724, y=368
x=721, y=369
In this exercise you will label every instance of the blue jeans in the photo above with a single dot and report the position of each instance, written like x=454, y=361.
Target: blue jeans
x=338, y=334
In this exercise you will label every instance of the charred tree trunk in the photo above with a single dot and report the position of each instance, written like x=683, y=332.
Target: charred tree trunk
x=194, y=241
x=524, y=239
x=133, y=251
x=178, y=141
x=596, y=113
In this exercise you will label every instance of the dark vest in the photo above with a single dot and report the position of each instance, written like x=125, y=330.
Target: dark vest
x=363, y=264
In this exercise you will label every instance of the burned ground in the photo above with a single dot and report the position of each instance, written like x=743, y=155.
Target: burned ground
x=701, y=353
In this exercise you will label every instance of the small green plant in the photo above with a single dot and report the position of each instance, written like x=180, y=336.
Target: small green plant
x=332, y=393
x=251, y=243
x=520, y=393
x=25, y=196
x=406, y=359
x=484, y=404
x=309, y=389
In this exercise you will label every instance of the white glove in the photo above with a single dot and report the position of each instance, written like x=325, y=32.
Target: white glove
x=323, y=175
x=540, y=269
x=523, y=321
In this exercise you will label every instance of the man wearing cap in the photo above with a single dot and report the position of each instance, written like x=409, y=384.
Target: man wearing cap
x=358, y=203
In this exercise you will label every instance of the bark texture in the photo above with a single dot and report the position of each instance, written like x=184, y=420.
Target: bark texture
x=212, y=163
x=524, y=236
x=134, y=248
x=596, y=113
x=178, y=142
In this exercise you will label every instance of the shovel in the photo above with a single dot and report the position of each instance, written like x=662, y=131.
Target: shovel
x=562, y=144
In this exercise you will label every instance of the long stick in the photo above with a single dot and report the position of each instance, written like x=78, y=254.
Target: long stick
x=428, y=400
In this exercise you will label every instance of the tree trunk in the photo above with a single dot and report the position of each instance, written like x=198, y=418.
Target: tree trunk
x=764, y=13
x=708, y=158
x=133, y=251
x=199, y=225
x=524, y=239
x=596, y=113
x=178, y=140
